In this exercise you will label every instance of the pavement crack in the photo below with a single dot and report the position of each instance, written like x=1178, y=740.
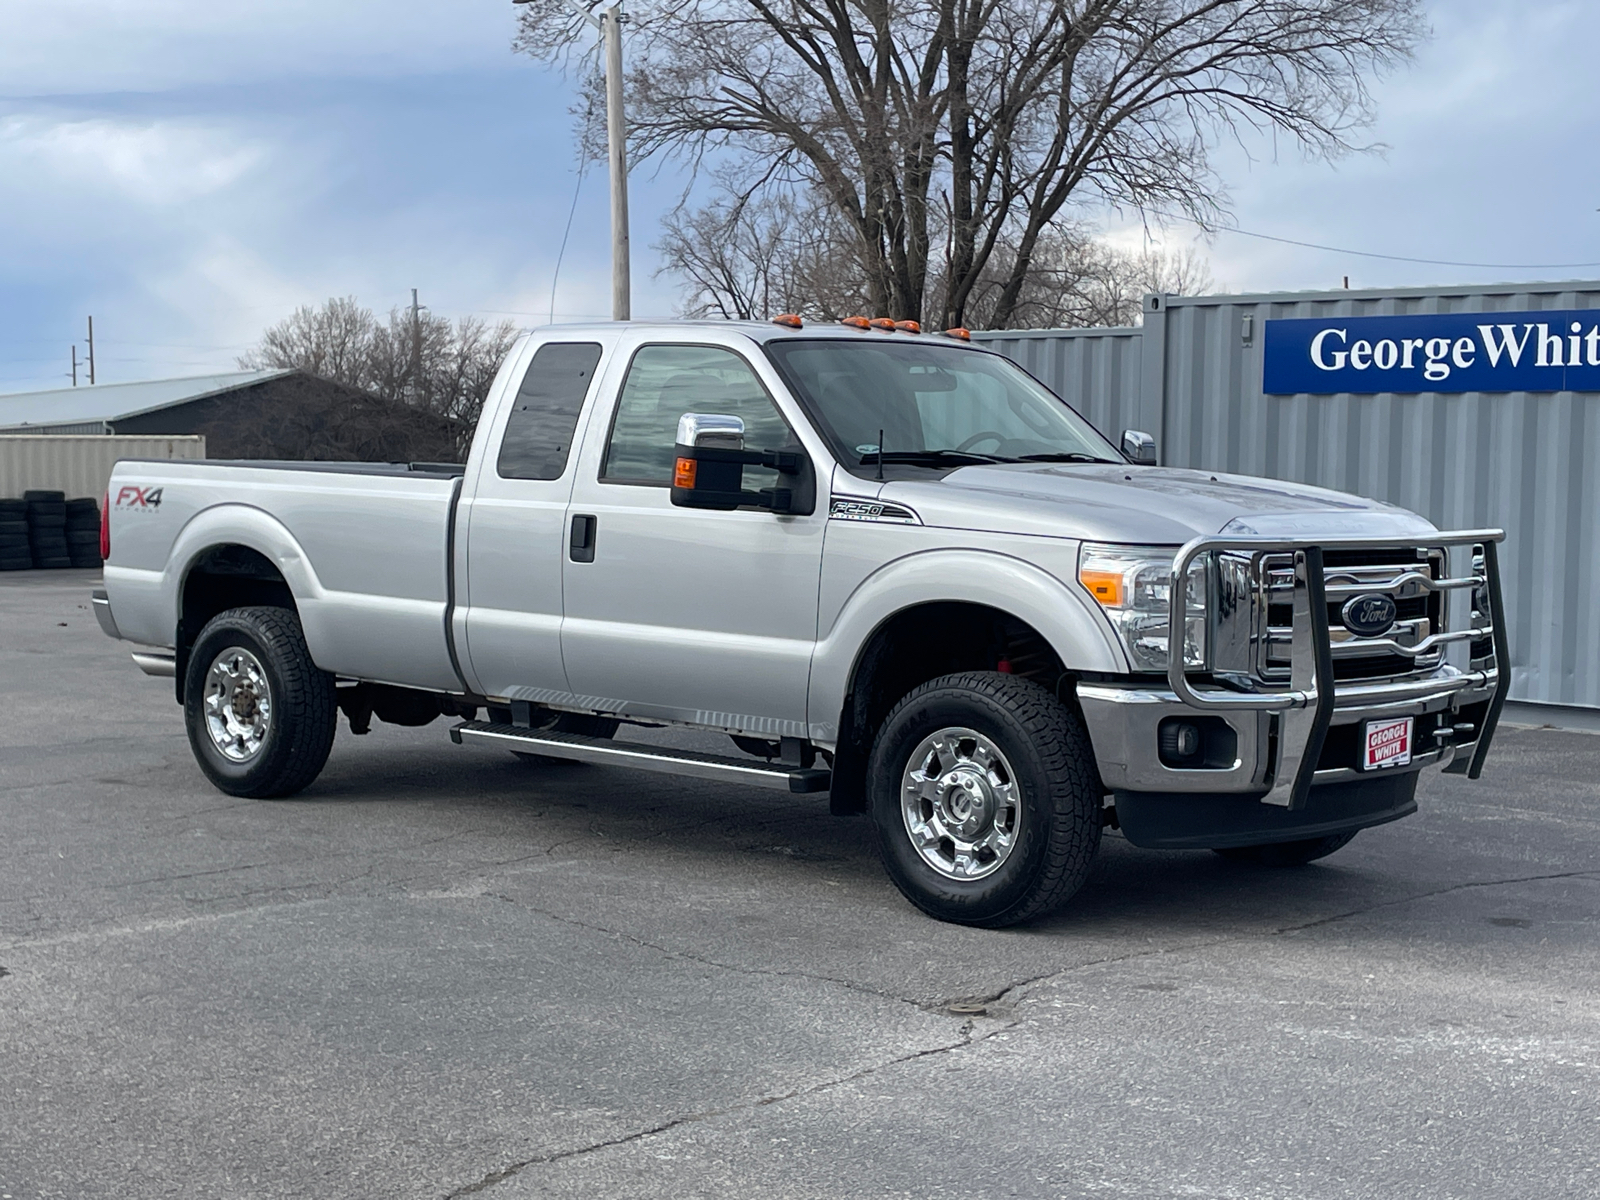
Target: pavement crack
x=1444, y=891
x=965, y=1040
x=686, y=956
x=1005, y=994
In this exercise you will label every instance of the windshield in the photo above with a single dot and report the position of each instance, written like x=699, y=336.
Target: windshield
x=937, y=406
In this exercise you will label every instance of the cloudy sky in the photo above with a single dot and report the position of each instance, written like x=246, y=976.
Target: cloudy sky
x=188, y=171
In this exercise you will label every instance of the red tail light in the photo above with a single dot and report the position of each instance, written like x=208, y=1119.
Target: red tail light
x=105, y=527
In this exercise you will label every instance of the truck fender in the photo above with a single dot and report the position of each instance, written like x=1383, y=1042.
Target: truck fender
x=1080, y=636
x=258, y=530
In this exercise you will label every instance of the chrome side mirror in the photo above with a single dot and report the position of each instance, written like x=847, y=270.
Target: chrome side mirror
x=711, y=429
x=1139, y=447
x=708, y=468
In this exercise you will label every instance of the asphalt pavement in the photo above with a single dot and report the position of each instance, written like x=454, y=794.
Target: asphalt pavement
x=443, y=972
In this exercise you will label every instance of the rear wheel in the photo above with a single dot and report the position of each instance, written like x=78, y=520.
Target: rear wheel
x=984, y=799
x=259, y=712
x=1288, y=854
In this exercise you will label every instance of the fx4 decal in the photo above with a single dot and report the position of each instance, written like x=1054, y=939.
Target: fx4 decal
x=129, y=496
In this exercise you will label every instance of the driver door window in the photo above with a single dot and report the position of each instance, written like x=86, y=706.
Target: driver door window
x=663, y=383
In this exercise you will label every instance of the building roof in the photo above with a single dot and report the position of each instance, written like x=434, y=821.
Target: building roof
x=106, y=402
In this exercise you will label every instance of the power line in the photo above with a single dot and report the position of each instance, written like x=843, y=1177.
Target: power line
x=583, y=163
x=1432, y=262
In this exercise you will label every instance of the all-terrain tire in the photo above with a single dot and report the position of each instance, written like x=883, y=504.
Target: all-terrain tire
x=1058, y=825
x=1288, y=854
x=303, y=711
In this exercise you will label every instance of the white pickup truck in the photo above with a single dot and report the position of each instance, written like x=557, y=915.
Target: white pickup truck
x=892, y=565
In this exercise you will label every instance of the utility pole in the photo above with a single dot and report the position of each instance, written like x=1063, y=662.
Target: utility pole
x=74, y=364
x=617, y=153
x=609, y=23
x=91, y=351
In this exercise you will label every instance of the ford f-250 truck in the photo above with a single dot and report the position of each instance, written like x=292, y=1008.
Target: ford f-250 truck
x=892, y=565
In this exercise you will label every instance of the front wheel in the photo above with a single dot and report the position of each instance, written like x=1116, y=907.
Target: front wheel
x=259, y=712
x=985, y=799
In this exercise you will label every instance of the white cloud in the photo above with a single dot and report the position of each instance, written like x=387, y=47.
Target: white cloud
x=155, y=163
x=96, y=46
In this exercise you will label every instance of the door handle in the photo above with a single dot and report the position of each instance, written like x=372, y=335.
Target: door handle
x=580, y=546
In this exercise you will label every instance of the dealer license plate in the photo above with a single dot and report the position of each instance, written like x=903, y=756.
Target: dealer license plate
x=1386, y=744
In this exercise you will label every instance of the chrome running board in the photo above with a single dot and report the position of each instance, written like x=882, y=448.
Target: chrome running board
x=783, y=777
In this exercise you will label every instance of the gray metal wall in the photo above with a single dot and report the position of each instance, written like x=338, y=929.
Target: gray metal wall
x=1525, y=461
x=80, y=465
x=1099, y=371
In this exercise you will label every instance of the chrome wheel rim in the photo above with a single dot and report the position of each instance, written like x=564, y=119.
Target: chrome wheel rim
x=237, y=704
x=961, y=804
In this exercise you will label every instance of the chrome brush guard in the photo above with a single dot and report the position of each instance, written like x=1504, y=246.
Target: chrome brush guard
x=1304, y=710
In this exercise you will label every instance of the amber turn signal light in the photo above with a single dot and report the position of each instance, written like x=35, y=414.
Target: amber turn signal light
x=683, y=474
x=1104, y=586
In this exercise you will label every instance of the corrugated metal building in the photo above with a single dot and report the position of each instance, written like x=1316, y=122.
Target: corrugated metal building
x=80, y=464
x=1495, y=432
x=150, y=406
x=285, y=414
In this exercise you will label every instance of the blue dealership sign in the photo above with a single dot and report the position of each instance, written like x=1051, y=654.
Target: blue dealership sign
x=1448, y=352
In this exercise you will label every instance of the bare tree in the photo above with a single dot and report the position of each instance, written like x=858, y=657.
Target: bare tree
x=1075, y=280
x=750, y=257
x=772, y=253
x=441, y=367
x=951, y=137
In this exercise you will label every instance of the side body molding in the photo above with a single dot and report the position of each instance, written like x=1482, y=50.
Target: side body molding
x=1080, y=636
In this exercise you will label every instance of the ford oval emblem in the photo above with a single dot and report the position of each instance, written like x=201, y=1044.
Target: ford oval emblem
x=1370, y=615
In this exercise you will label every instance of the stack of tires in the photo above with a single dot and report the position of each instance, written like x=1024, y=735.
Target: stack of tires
x=83, y=532
x=47, y=528
x=15, y=554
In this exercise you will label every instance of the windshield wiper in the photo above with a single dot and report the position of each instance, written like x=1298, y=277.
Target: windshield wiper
x=934, y=458
x=1063, y=456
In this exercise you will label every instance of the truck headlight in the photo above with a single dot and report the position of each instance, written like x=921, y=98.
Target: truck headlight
x=1133, y=584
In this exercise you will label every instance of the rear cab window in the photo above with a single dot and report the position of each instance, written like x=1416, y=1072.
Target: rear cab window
x=538, y=436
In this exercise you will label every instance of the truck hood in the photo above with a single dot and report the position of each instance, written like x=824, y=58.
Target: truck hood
x=1141, y=505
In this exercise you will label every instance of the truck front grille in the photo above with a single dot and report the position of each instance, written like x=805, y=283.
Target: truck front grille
x=1346, y=573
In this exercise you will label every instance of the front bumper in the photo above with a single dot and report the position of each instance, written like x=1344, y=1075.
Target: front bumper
x=1269, y=749
x=1124, y=723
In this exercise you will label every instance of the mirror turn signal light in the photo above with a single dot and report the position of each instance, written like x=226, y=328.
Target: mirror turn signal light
x=684, y=472
x=792, y=320
x=1104, y=586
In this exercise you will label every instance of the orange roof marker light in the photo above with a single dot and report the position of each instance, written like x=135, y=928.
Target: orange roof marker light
x=857, y=322
x=883, y=323
x=958, y=332
x=792, y=320
x=908, y=327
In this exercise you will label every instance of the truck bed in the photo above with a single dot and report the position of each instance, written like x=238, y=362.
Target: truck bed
x=365, y=545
